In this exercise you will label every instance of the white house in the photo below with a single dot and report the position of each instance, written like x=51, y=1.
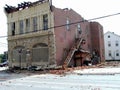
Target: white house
x=112, y=46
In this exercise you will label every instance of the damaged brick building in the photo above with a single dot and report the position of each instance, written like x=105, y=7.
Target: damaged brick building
x=40, y=34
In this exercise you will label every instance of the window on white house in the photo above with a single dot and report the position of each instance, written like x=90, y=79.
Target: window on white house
x=45, y=22
x=27, y=25
x=35, y=24
x=117, y=52
x=116, y=43
x=109, y=53
x=68, y=24
x=21, y=26
x=109, y=43
x=108, y=36
x=13, y=28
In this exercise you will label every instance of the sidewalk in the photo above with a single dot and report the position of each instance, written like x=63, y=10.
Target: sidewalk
x=98, y=71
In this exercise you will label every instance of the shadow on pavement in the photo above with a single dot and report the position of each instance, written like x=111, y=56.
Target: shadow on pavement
x=8, y=75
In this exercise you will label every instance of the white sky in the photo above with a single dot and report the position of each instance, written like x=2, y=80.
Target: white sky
x=88, y=9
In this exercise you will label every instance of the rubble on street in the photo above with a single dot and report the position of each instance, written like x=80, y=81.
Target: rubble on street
x=97, y=77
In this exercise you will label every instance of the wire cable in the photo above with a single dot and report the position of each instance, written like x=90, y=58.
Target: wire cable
x=3, y=43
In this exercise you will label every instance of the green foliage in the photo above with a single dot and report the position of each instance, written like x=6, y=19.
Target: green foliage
x=2, y=58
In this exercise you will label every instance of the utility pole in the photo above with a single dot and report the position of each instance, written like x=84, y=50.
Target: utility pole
x=20, y=56
x=28, y=58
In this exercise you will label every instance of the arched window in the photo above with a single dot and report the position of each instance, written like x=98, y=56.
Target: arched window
x=40, y=52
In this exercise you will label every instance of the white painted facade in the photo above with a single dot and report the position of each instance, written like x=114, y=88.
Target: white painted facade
x=112, y=46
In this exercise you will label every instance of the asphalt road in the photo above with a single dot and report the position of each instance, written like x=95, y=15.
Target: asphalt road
x=12, y=81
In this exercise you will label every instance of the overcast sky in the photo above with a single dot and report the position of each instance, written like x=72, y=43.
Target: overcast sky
x=88, y=9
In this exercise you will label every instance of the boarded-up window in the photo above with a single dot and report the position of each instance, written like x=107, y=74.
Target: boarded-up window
x=19, y=56
x=40, y=54
x=15, y=56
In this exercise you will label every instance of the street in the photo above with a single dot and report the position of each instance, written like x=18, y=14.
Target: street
x=70, y=81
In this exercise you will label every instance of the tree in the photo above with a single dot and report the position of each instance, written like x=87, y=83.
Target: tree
x=3, y=57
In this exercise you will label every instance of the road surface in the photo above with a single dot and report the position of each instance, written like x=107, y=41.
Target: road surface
x=12, y=81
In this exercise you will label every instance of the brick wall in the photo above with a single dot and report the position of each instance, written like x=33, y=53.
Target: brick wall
x=64, y=38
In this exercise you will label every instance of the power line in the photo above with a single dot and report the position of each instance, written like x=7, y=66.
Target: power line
x=104, y=16
x=3, y=36
x=73, y=23
x=3, y=43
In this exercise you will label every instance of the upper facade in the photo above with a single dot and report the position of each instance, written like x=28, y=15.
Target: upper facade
x=30, y=34
x=31, y=17
x=112, y=46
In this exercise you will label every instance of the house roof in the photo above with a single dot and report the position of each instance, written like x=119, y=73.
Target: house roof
x=10, y=9
x=112, y=33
